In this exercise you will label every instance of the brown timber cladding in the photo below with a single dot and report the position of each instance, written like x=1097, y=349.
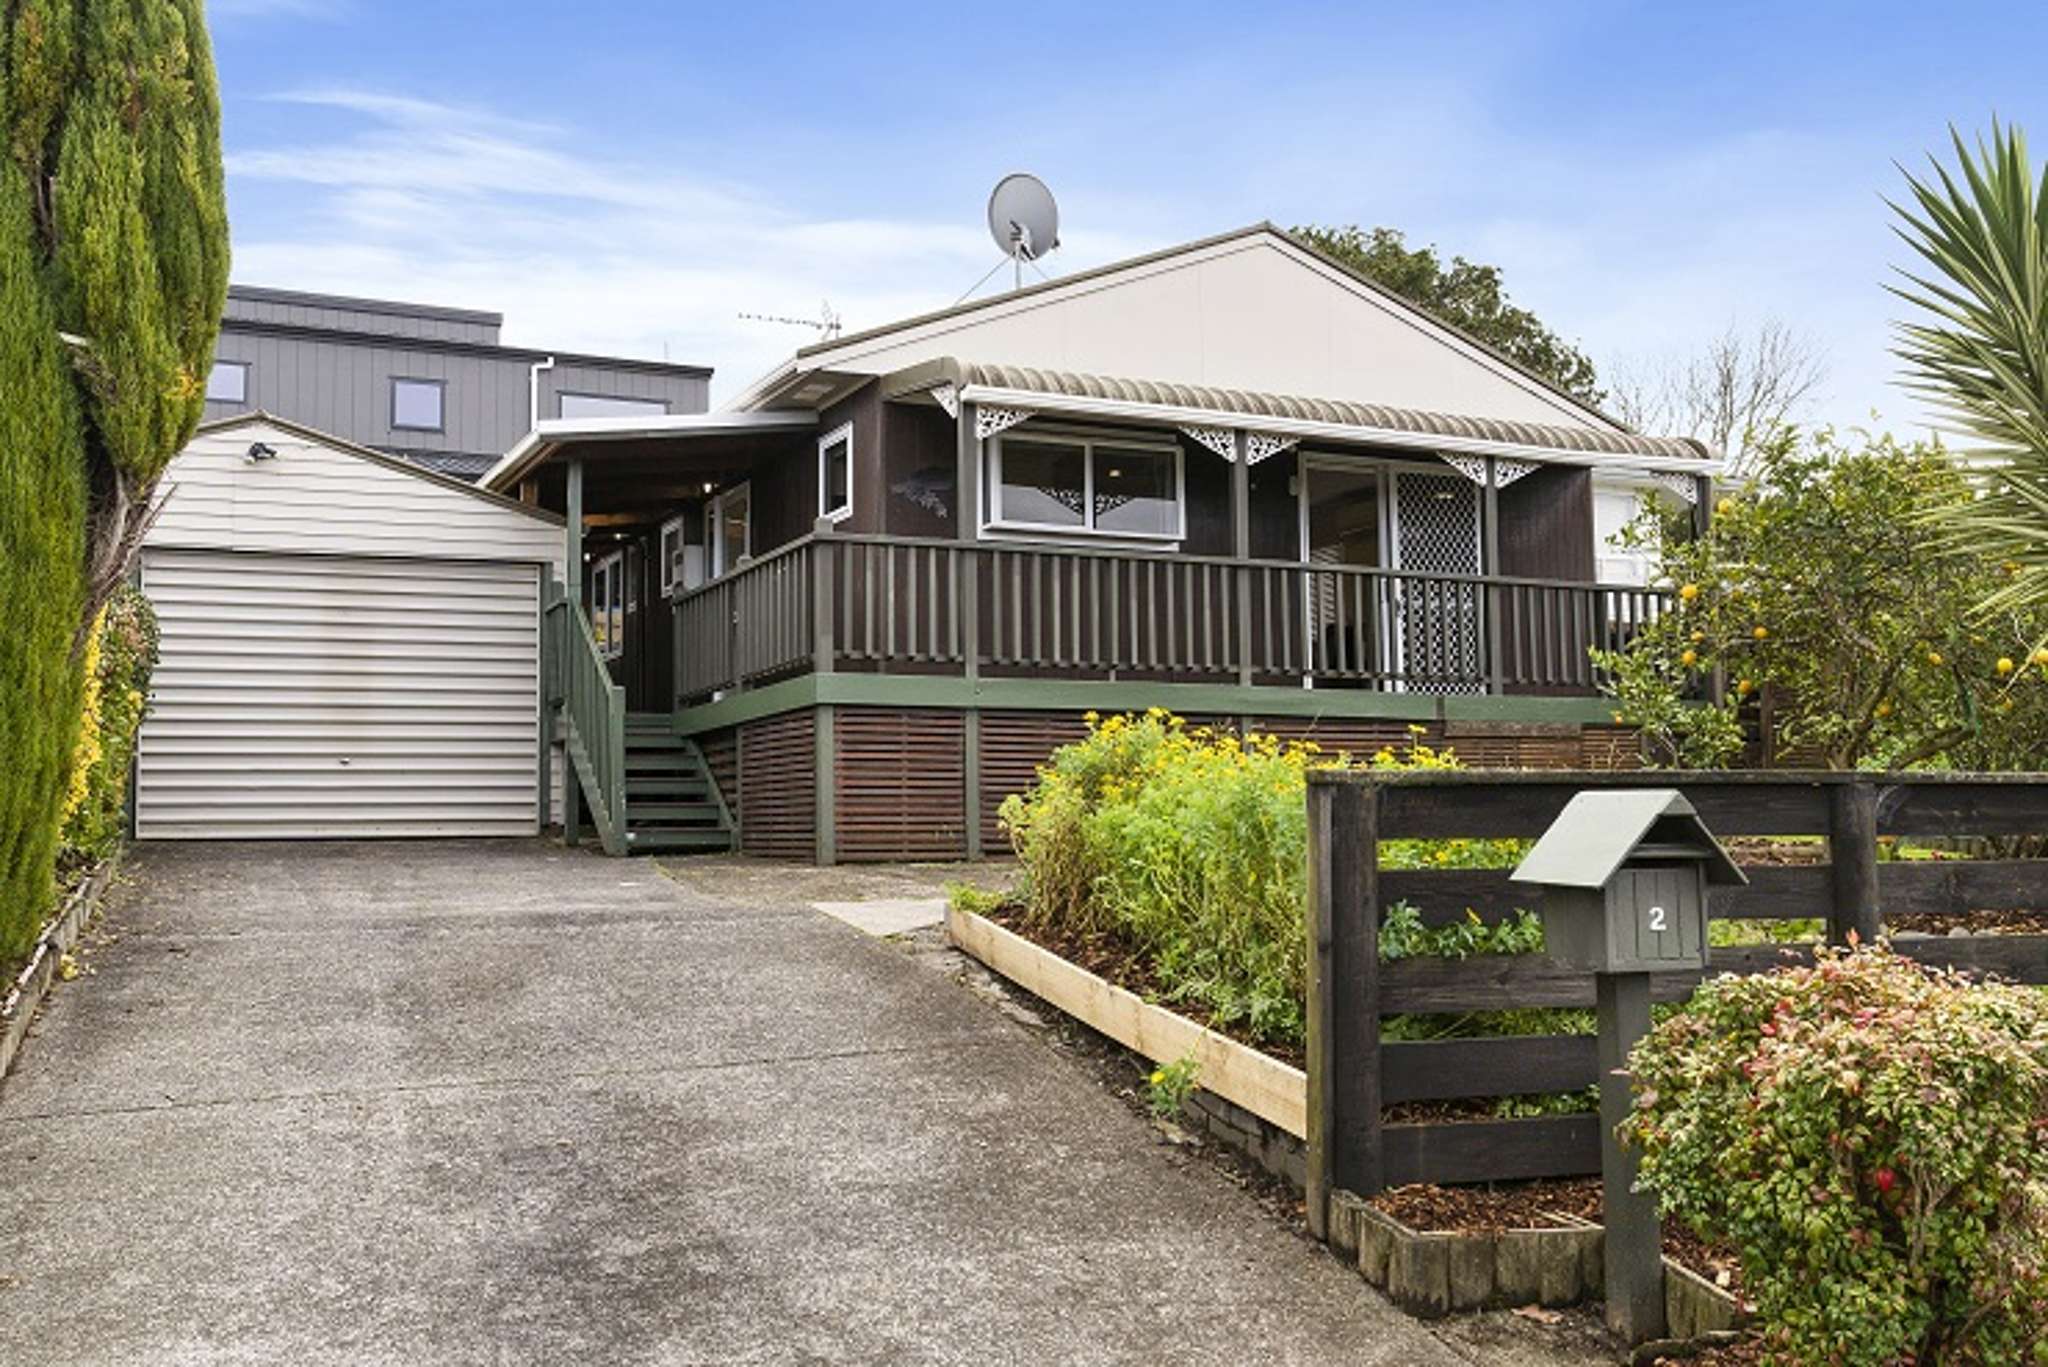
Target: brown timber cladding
x=776, y=767
x=902, y=784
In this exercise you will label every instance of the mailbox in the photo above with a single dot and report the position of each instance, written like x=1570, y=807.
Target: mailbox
x=1624, y=874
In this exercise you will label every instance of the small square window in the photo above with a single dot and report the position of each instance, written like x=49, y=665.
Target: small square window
x=228, y=382
x=416, y=404
x=835, y=474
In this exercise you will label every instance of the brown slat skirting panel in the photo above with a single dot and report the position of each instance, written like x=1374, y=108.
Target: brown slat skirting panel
x=777, y=760
x=1013, y=745
x=902, y=784
x=722, y=757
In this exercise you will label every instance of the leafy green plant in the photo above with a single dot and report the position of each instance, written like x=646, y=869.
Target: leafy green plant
x=120, y=656
x=1168, y=1087
x=1872, y=1136
x=1819, y=583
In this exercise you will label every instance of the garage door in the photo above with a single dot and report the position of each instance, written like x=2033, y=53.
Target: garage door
x=316, y=696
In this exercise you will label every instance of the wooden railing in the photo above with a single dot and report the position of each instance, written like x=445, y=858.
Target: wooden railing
x=595, y=710
x=1353, y=1074
x=999, y=608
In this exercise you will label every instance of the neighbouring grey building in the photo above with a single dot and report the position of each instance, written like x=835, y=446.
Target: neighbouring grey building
x=428, y=383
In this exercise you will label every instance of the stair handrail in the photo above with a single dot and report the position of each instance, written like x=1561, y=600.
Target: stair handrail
x=596, y=712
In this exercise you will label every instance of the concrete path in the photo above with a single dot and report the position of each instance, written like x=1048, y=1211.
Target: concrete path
x=501, y=1103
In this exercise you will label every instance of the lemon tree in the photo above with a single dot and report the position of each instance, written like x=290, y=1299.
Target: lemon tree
x=1822, y=582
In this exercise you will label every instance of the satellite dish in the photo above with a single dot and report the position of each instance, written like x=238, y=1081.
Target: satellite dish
x=1023, y=218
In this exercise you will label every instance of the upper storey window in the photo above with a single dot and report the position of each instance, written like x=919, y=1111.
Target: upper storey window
x=416, y=405
x=228, y=382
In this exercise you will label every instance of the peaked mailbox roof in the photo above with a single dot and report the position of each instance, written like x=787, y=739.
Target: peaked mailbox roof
x=1597, y=831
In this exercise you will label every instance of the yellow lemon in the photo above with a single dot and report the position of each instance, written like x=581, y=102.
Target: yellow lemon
x=1689, y=592
x=1934, y=657
x=2005, y=664
x=1884, y=709
x=1744, y=686
x=1760, y=632
x=2040, y=657
x=1689, y=658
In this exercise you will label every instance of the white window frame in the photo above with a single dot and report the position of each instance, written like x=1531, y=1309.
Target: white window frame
x=670, y=545
x=1088, y=440
x=716, y=558
x=609, y=605
x=843, y=432
x=239, y=367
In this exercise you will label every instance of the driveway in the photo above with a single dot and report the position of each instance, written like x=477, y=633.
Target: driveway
x=503, y=1103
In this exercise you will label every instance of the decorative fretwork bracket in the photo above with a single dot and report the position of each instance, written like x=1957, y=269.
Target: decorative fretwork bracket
x=1681, y=484
x=1260, y=445
x=988, y=421
x=948, y=398
x=1506, y=470
x=1221, y=440
x=1471, y=467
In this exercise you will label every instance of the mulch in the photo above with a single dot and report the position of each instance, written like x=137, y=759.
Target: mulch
x=1492, y=1210
x=1975, y=922
x=1747, y=1350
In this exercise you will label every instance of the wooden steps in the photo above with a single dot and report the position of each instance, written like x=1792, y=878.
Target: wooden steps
x=672, y=802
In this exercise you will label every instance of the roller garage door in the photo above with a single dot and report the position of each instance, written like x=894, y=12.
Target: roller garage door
x=339, y=696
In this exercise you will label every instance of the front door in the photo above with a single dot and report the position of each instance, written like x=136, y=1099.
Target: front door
x=1436, y=533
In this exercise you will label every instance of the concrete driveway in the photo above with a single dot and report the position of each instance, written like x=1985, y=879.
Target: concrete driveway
x=502, y=1103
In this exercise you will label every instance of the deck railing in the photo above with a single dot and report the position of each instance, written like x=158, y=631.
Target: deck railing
x=1000, y=609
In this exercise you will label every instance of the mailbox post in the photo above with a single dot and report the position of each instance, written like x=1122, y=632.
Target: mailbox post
x=1625, y=874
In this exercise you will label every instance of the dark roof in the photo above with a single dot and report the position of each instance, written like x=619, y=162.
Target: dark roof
x=1292, y=408
x=264, y=294
x=464, y=465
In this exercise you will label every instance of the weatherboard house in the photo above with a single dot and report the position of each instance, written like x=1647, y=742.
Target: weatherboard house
x=847, y=613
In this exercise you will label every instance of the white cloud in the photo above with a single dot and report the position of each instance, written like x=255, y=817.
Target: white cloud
x=433, y=202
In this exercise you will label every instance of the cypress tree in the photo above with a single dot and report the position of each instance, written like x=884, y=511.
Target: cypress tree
x=113, y=274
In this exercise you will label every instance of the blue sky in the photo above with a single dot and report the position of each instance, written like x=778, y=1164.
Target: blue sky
x=631, y=177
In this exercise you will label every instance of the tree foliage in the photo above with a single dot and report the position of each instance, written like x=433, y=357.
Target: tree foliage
x=1825, y=581
x=1977, y=346
x=113, y=274
x=1467, y=295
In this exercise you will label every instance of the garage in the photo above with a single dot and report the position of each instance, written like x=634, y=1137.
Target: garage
x=350, y=646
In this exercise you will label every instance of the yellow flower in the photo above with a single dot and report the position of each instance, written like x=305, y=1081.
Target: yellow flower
x=1725, y=506
x=1158, y=1076
x=1689, y=658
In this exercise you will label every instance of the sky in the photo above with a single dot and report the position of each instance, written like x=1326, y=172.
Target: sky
x=631, y=178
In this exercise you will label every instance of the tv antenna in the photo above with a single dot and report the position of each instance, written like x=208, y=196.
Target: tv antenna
x=1024, y=221
x=826, y=323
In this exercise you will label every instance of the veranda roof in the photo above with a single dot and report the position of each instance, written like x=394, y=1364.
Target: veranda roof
x=1294, y=415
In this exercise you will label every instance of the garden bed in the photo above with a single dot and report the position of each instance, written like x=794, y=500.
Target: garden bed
x=25, y=990
x=1274, y=1091
x=1439, y=1250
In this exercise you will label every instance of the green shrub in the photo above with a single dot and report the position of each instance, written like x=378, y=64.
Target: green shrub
x=1872, y=1136
x=119, y=660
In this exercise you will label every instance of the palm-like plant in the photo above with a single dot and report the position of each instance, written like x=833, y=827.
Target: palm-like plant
x=1978, y=348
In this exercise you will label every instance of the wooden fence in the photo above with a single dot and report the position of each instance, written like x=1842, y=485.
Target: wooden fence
x=1354, y=1076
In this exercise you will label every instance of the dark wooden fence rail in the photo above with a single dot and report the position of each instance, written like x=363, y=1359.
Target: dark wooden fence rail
x=1353, y=1075
x=920, y=605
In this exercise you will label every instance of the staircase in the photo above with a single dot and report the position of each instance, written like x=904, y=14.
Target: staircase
x=672, y=802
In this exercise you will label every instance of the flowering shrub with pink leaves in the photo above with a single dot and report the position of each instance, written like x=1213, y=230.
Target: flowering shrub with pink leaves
x=1872, y=1135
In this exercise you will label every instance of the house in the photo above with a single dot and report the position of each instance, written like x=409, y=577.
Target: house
x=428, y=383
x=1231, y=478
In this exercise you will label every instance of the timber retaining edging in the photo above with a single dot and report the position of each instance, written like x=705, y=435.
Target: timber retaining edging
x=59, y=937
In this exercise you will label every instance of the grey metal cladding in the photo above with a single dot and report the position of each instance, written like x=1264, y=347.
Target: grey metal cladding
x=414, y=322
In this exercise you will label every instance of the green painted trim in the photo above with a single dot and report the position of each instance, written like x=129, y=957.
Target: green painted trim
x=1074, y=695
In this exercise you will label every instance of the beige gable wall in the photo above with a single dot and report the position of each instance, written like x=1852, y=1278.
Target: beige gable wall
x=317, y=499
x=1251, y=312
